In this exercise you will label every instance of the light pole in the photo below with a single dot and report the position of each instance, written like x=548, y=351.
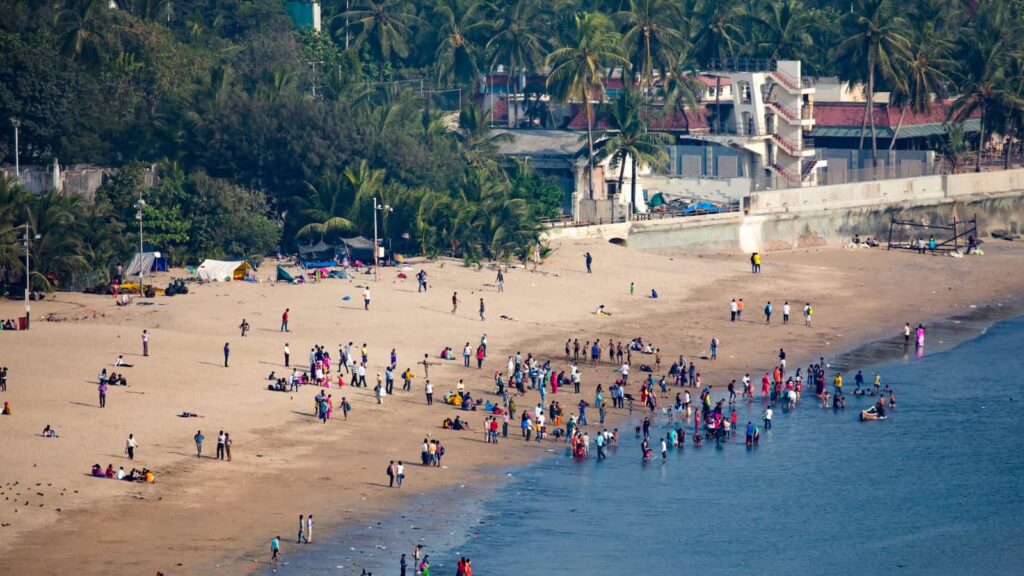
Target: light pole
x=376, y=248
x=138, y=216
x=17, y=160
x=27, y=242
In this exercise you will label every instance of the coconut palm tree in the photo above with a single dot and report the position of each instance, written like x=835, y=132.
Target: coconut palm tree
x=386, y=25
x=628, y=140
x=875, y=43
x=788, y=30
x=324, y=208
x=578, y=71
x=457, y=53
x=14, y=201
x=60, y=251
x=650, y=37
x=519, y=42
x=478, y=142
x=923, y=74
x=716, y=33
x=985, y=48
x=85, y=30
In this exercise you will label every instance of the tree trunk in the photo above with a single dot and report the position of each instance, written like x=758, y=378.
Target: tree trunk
x=899, y=125
x=622, y=176
x=718, y=105
x=590, y=146
x=632, y=193
x=863, y=126
x=871, y=116
x=1009, y=146
x=508, y=94
x=981, y=141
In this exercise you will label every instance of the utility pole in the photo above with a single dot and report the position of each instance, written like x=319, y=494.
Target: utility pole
x=28, y=274
x=17, y=160
x=138, y=215
x=376, y=248
x=347, y=8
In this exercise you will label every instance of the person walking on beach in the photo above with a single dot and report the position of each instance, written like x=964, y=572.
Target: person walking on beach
x=785, y=313
x=808, y=313
x=428, y=389
x=768, y=312
x=227, y=445
x=366, y=298
x=302, y=529
x=501, y=281
x=275, y=551
x=129, y=446
x=455, y=302
x=733, y=309
x=309, y=529
x=714, y=348
x=589, y=260
x=199, y=443
x=403, y=565
x=287, y=356
x=391, y=474
x=426, y=366
x=244, y=327
x=920, y=336
x=481, y=309
x=227, y=352
x=906, y=334
x=220, y=445
x=103, y=393
x=421, y=278
x=399, y=473
x=767, y=416
x=284, y=320
x=755, y=263
x=145, y=342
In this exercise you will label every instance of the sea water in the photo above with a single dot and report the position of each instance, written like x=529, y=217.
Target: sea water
x=937, y=488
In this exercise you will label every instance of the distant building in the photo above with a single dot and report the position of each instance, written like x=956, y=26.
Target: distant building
x=305, y=14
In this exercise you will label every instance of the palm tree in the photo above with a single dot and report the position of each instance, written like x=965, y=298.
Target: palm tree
x=60, y=251
x=985, y=48
x=876, y=45
x=578, y=71
x=924, y=74
x=478, y=143
x=84, y=29
x=651, y=37
x=324, y=208
x=789, y=29
x=456, y=54
x=384, y=23
x=716, y=33
x=14, y=201
x=627, y=139
x=519, y=43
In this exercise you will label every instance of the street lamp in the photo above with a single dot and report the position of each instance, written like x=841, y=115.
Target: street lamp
x=139, y=205
x=376, y=248
x=27, y=243
x=17, y=161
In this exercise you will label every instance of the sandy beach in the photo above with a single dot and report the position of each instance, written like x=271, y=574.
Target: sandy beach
x=203, y=516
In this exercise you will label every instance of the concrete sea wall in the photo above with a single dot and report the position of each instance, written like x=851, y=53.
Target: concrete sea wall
x=787, y=219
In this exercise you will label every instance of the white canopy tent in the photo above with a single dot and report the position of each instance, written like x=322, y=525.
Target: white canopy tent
x=219, y=270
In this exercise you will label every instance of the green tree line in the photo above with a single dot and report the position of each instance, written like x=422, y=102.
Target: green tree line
x=265, y=135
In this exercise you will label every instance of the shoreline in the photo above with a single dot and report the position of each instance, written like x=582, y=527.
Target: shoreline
x=337, y=474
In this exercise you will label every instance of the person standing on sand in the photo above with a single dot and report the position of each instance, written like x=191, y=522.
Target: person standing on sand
x=309, y=529
x=129, y=446
x=455, y=302
x=391, y=474
x=366, y=298
x=428, y=388
x=244, y=327
x=733, y=309
x=906, y=334
x=227, y=445
x=284, y=320
x=220, y=445
x=199, y=443
x=275, y=551
x=399, y=473
x=403, y=566
x=287, y=356
x=302, y=529
x=714, y=348
x=227, y=352
x=785, y=313
x=589, y=260
x=808, y=313
x=501, y=281
x=768, y=312
x=103, y=393
x=145, y=342
x=481, y=309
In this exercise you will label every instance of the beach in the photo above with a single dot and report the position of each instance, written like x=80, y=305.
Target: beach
x=203, y=516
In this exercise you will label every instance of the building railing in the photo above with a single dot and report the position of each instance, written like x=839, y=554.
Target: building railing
x=742, y=65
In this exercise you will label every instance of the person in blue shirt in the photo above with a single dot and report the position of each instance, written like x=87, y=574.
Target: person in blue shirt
x=858, y=379
x=750, y=433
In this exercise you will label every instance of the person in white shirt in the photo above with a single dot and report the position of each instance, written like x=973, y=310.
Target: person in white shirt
x=120, y=473
x=538, y=411
x=129, y=447
x=785, y=313
x=733, y=309
x=366, y=298
x=625, y=373
x=287, y=355
x=400, y=473
x=429, y=390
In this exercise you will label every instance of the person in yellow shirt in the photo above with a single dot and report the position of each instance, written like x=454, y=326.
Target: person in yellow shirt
x=838, y=383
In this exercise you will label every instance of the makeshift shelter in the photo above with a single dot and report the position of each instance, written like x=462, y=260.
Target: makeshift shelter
x=358, y=248
x=284, y=276
x=147, y=262
x=317, y=250
x=218, y=270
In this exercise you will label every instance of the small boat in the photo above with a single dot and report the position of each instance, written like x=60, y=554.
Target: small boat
x=871, y=414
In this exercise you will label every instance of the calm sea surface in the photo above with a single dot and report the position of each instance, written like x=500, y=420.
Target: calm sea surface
x=938, y=488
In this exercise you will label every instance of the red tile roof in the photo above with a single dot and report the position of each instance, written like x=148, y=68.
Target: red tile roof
x=676, y=121
x=851, y=114
x=710, y=81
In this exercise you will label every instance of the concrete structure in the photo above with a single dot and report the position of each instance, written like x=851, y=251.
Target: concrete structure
x=77, y=179
x=804, y=217
x=305, y=14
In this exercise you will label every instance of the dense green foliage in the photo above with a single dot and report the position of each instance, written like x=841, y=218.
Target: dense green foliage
x=266, y=135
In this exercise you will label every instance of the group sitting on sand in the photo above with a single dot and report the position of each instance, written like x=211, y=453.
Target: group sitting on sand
x=145, y=475
x=8, y=325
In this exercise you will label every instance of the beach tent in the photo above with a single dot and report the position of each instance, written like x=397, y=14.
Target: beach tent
x=315, y=250
x=147, y=262
x=358, y=248
x=218, y=270
x=284, y=276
